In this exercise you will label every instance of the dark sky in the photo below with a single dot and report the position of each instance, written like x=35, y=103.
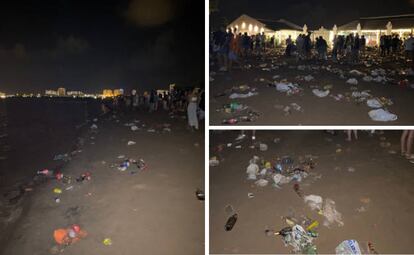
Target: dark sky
x=90, y=45
x=314, y=13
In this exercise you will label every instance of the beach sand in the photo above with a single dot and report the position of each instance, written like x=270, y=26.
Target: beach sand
x=363, y=174
x=269, y=103
x=154, y=211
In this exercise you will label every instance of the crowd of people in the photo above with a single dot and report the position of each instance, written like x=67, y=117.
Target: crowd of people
x=230, y=46
x=349, y=48
x=176, y=100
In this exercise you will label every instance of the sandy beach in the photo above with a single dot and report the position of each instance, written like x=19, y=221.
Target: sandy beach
x=371, y=187
x=138, y=210
x=304, y=108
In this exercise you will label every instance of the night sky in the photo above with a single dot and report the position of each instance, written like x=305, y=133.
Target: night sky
x=91, y=45
x=314, y=13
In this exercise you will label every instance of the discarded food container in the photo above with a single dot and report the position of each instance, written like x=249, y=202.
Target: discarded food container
x=107, y=241
x=69, y=235
x=57, y=190
x=263, y=147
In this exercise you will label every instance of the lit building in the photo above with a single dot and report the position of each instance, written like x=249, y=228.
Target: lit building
x=280, y=29
x=373, y=27
x=107, y=93
x=118, y=92
x=162, y=91
x=61, y=92
x=2, y=95
x=172, y=87
x=75, y=93
x=51, y=93
x=326, y=34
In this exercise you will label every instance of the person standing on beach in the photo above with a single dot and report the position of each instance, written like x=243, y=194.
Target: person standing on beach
x=407, y=143
x=349, y=135
x=192, y=110
x=135, y=100
x=233, y=51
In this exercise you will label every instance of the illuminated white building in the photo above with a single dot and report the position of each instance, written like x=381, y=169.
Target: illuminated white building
x=2, y=95
x=75, y=93
x=373, y=27
x=281, y=28
x=51, y=93
x=61, y=92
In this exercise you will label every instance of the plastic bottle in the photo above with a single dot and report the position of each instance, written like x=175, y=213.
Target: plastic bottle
x=230, y=121
x=200, y=194
x=231, y=222
x=279, y=167
x=43, y=172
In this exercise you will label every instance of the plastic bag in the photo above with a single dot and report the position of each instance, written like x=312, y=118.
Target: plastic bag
x=308, y=77
x=374, y=103
x=320, y=93
x=314, y=202
x=331, y=214
x=290, y=88
x=348, y=247
x=299, y=240
x=382, y=115
x=252, y=171
x=356, y=72
x=352, y=81
x=263, y=147
x=367, y=78
x=280, y=179
x=262, y=182
x=238, y=95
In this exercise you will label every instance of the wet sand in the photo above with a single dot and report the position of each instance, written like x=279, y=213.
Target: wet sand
x=385, y=179
x=153, y=211
x=316, y=111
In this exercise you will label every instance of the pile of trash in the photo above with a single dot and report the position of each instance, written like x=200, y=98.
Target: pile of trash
x=380, y=104
x=287, y=87
x=287, y=109
x=138, y=126
x=282, y=171
x=300, y=240
x=305, y=78
x=234, y=107
x=127, y=163
x=249, y=116
x=327, y=209
x=242, y=91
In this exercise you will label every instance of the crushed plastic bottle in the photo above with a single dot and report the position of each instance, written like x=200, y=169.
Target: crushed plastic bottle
x=348, y=247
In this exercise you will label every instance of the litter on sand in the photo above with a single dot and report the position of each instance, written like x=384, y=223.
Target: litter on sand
x=382, y=115
x=320, y=93
x=239, y=95
x=352, y=81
